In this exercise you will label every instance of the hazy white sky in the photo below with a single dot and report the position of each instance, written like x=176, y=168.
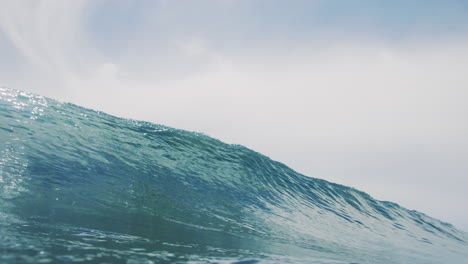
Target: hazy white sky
x=370, y=94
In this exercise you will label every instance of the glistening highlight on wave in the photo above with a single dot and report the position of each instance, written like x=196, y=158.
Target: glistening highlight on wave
x=77, y=185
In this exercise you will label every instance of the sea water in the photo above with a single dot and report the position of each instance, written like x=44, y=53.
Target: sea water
x=81, y=186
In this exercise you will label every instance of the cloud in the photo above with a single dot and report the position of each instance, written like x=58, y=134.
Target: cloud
x=49, y=38
x=387, y=117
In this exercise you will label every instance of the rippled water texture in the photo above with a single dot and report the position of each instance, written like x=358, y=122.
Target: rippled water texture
x=78, y=185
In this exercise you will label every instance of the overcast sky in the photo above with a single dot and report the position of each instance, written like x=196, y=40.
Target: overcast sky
x=367, y=93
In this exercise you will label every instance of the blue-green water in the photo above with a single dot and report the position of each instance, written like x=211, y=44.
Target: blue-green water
x=78, y=185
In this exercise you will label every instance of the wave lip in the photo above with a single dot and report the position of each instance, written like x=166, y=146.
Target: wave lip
x=120, y=190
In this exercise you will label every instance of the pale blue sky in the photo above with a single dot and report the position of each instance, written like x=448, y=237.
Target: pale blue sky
x=370, y=94
x=235, y=24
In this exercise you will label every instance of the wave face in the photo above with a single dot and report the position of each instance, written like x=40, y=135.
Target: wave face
x=78, y=185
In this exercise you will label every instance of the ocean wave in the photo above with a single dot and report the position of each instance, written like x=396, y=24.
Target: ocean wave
x=78, y=185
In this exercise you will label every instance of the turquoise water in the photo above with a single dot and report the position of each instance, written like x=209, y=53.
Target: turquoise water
x=82, y=186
